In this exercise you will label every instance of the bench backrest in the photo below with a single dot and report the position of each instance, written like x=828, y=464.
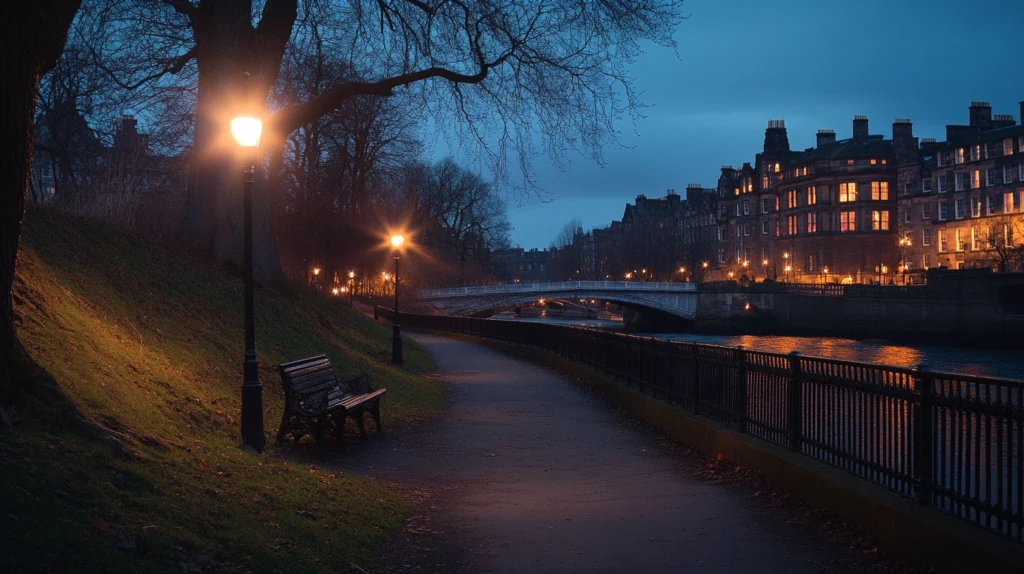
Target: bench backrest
x=309, y=375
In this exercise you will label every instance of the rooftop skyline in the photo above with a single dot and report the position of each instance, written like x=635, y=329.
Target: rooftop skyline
x=816, y=66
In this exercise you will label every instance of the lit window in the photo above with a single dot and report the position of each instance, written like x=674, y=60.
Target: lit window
x=959, y=209
x=791, y=199
x=736, y=191
x=880, y=220
x=847, y=192
x=885, y=161
x=976, y=179
x=879, y=190
x=849, y=162
x=943, y=243
x=764, y=184
x=777, y=168
x=975, y=152
x=1008, y=202
x=848, y=221
x=958, y=156
x=812, y=223
x=874, y=161
x=1008, y=146
x=812, y=195
x=959, y=240
x=791, y=228
x=943, y=184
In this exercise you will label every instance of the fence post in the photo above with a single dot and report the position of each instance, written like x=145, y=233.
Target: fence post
x=740, y=402
x=696, y=378
x=795, y=402
x=924, y=446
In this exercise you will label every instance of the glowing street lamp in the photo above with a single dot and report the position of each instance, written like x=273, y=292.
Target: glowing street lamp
x=731, y=275
x=397, y=241
x=335, y=291
x=704, y=265
x=351, y=286
x=247, y=130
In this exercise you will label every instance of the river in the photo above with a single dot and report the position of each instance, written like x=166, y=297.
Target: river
x=1004, y=364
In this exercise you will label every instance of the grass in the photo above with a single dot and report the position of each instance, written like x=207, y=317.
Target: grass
x=146, y=340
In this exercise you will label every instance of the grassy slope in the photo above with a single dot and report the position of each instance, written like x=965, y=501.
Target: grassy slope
x=147, y=340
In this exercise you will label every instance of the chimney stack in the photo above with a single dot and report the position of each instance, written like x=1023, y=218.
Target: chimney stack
x=826, y=137
x=981, y=115
x=903, y=141
x=860, y=128
x=776, y=140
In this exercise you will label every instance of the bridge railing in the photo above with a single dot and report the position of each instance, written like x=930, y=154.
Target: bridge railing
x=951, y=441
x=556, y=287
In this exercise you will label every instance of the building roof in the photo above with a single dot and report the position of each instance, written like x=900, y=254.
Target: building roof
x=875, y=146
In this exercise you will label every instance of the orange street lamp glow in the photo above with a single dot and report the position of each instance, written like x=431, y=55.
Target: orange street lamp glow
x=746, y=263
x=704, y=265
x=731, y=274
x=397, y=241
x=747, y=306
x=765, y=262
x=247, y=131
x=785, y=255
x=316, y=271
x=351, y=274
x=335, y=291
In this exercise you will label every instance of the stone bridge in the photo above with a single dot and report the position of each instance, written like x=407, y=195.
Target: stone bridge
x=679, y=299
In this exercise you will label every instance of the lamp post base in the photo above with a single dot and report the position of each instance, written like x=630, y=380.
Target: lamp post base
x=252, y=406
x=396, y=346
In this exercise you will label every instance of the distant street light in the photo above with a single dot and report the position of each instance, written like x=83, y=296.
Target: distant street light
x=247, y=130
x=351, y=286
x=396, y=338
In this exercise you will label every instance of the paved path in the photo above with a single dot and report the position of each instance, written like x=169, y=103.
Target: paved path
x=529, y=473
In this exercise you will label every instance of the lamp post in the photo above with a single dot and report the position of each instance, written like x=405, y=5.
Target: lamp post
x=351, y=286
x=246, y=131
x=396, y=334
x=905, y=242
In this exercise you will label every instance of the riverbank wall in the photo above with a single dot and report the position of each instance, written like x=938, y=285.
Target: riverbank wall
x=954, y=308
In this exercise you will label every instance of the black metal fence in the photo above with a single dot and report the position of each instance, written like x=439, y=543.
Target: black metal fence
x=952, y=441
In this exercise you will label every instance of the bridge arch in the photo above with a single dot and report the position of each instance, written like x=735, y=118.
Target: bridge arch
x=678, y=299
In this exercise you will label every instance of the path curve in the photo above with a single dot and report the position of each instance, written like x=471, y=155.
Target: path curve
x=528, y=473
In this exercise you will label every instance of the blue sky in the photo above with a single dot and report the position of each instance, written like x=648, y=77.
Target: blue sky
x=813, y=63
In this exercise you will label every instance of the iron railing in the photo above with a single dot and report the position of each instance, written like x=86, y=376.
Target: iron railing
x=955, y=442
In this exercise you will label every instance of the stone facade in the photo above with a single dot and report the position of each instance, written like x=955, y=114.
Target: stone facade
x=960, y=202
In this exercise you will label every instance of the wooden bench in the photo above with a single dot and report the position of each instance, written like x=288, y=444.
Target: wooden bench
x=315, y=399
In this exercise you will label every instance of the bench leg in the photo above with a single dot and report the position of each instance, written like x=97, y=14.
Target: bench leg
x=358, y=415
x=375, y=411
x=281, y=432
x=321, y=423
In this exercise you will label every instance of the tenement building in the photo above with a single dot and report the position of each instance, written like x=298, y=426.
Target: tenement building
x=960, y=202
x=835, y=206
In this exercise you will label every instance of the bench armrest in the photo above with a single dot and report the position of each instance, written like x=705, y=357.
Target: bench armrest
x=312, y=404
x=361, y=384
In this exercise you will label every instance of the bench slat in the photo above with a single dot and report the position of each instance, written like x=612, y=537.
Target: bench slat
x=311, y=380
x=299, y=372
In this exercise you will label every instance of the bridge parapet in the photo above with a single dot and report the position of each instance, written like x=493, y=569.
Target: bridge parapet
x=555, y=287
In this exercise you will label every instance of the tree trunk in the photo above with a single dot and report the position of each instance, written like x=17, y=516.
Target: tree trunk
x=32, y=37
x=228, y=47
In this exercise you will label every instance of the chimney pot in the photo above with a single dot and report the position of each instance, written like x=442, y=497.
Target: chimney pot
x=860, y=128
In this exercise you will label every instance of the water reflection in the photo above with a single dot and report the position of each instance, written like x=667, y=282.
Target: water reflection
x=969, y=361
